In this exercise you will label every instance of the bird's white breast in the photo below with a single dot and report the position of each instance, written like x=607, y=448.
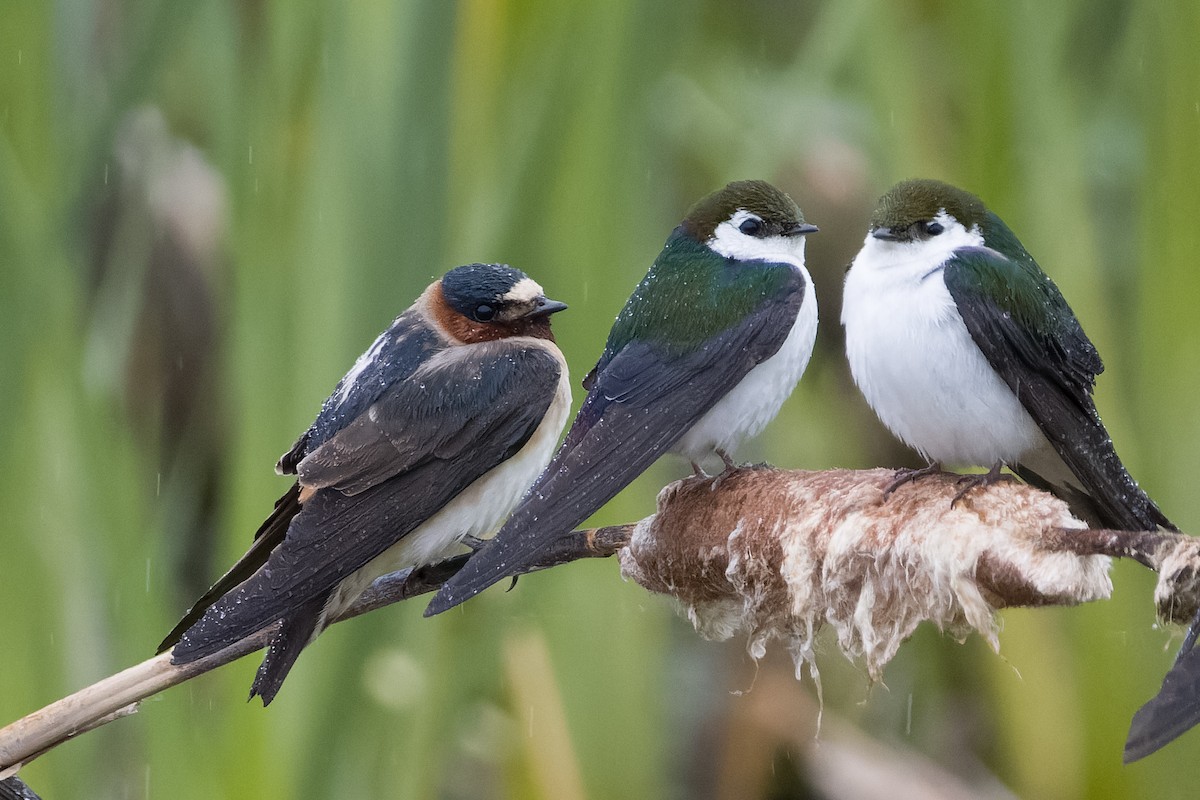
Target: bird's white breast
x=480, y=508
x=915, y=362
x=748, y=407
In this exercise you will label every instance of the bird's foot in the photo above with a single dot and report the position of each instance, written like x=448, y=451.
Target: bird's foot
x=730, y=467
x=473, y=543
x=969, y=482
x=907, y=475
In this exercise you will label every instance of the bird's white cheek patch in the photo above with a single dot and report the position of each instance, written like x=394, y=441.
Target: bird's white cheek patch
x=912, y=261
x=730, y=242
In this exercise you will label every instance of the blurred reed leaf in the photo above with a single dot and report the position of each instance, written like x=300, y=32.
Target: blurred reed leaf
x=364, y=150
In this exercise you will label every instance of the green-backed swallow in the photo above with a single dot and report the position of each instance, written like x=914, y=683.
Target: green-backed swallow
x=711, y=343
x=968, y=352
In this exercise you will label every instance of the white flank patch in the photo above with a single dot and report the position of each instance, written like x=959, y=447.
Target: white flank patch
x=360, y=364
x=915, y=362
x=747, y=408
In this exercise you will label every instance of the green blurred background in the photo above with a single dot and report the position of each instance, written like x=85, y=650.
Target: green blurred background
x=207, y=210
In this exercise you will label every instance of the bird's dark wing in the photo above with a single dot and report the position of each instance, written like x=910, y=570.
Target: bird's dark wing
x=642, y=401
x=407, y=344
x=1029, y=335
x=442, y=429
x=269, y=535
x=1172, y=711
x=395, y=354
x=13, y=788
x=440, y=412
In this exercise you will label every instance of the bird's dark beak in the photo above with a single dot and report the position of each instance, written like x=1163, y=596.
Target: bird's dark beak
x=545, y=307
x=801, y=229
x=887, y=234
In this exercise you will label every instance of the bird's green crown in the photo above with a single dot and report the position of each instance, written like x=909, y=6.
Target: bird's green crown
x=776, y=210
x=911, y=202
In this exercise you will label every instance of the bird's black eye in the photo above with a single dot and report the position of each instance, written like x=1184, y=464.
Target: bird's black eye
x=484, y=312
x=751, y=226
x=932, y=228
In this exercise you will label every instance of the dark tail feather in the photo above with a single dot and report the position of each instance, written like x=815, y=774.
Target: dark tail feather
x=15, y=789
x=1176, y=707
x=1114, y=500
x=1109, y=497
x=505, y=558
x=1131, y=510
x=268, y=537
x=1081, y=503
x=296, y=631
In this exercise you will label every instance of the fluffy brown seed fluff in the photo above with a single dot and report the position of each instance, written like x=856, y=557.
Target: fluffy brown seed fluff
x=779, y=554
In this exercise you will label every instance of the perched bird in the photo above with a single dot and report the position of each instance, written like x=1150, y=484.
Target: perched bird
x=703, y=355
x=967, y=352
x=429, y=440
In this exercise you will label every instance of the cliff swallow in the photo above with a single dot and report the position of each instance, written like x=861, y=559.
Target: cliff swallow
x=432, y=437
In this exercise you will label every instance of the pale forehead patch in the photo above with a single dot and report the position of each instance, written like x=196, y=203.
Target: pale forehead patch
x=526, y=290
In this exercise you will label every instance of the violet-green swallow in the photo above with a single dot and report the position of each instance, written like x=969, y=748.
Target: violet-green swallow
x=703, y=355
x=967, y=352
x=432, y=437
